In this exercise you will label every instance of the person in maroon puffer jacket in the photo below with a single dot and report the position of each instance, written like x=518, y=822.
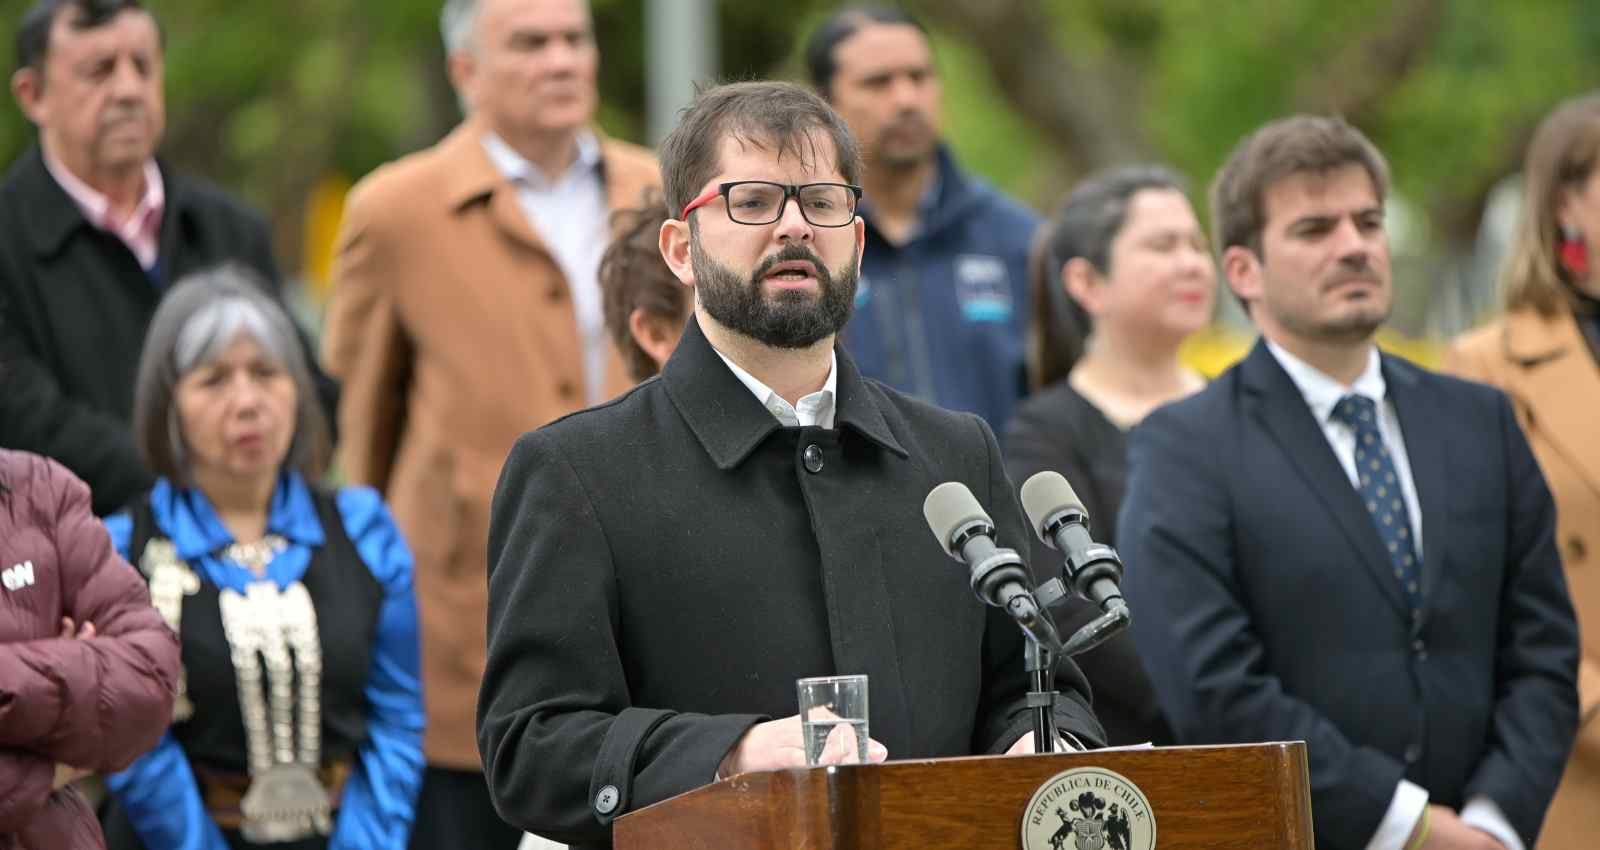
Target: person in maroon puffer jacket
x=87, y=666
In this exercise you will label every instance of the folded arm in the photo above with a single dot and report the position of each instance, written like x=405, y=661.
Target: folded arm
x=96, y=702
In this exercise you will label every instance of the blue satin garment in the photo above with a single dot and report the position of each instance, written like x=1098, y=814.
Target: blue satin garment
x=376, y=810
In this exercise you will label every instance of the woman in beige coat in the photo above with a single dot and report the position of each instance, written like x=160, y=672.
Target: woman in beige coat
x=1545, y=354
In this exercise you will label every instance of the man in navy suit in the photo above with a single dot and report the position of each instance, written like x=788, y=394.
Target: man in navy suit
x=1334, y=545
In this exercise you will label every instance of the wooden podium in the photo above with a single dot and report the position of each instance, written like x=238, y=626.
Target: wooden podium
x=1254, y=796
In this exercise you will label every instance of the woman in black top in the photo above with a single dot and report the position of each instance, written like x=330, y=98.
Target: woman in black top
x=1120, y=276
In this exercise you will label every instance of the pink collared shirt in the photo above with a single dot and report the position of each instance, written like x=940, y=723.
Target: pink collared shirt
x=140, y=231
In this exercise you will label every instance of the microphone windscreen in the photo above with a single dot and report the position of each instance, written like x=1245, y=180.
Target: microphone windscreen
x=948, y=507
x=1045, y=494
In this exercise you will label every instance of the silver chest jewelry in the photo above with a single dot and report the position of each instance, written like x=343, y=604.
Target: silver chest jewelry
x=170, y=580
x=286, y=801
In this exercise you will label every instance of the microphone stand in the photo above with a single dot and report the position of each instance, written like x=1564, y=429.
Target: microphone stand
x=1114, y=618
x=1040, y=663
x=1089, y=580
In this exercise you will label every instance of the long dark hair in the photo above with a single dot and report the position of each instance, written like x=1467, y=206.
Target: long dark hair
x=1085, y=225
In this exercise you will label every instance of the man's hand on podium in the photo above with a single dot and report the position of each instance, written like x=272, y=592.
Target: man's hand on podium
x=779, y=744
x=1024, y=746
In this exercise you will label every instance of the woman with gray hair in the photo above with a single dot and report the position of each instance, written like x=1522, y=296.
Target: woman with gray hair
x=294, y=605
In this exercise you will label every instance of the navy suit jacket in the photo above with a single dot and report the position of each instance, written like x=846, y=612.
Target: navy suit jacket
x=1266, y=610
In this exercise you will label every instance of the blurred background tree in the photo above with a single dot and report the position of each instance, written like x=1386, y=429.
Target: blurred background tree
x=287, y=102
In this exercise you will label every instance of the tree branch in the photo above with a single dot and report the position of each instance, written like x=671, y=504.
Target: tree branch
x=1090, y=114
x=1369, y=68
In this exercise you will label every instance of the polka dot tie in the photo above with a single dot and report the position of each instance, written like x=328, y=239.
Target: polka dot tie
x=1380, y=492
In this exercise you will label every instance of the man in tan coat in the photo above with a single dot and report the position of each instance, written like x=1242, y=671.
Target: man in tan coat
x=466, y=312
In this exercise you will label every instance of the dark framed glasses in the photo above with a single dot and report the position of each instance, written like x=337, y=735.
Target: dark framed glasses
x=761, y=202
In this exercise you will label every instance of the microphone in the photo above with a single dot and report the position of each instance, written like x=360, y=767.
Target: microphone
x=1059, y=518
x=999, y=577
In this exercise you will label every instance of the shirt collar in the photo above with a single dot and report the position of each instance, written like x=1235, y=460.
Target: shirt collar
x=516, y=167
x=196, y=530
x=1322, y=392
x=819, y=403
x=96, y=207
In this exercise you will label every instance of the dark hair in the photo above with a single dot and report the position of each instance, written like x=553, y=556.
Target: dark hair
x=33, y=32
x=841, y=25
x=1298, y=144
x=201, y=314
x=633, y=276
x=1560, y=159
x=763, y=114
x=1085, y=225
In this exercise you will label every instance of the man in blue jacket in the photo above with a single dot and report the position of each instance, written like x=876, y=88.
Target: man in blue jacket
x=942, y=303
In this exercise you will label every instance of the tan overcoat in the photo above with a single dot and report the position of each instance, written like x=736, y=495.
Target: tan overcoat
x=1545, y=367
x=452, y=329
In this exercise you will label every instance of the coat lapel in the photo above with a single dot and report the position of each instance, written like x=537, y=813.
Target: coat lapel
x=722, y=412
x=1425, y=454
x=1556, y=384
x=473, y=178
x=54, y=216
x=506, y=211
x=1280, y=408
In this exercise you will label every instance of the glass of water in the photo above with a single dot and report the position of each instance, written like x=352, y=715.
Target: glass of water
x=833, y=716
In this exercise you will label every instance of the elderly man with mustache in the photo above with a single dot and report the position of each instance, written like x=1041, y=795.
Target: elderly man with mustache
x=92, y=229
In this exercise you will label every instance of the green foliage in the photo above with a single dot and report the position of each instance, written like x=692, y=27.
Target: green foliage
x=267, y=98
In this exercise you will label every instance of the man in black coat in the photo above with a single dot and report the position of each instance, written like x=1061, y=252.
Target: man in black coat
x=663, y=567
x=1334, y=545
x=93, y=229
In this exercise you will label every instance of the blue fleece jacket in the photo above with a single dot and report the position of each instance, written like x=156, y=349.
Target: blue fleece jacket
x=943, y=316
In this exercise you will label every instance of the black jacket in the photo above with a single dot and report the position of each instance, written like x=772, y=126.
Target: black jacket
x=1266, y=609
x=74, y=307
x=1058, y=429
x=663, y=567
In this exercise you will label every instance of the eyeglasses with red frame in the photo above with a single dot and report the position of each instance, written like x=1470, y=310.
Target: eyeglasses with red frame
x=757, y=202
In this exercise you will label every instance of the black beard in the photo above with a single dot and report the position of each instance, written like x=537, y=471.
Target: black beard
x=790, y=319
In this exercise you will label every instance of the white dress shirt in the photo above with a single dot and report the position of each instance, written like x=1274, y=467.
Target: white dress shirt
x=568, y=211
x=814, y=409
x=1321, y=394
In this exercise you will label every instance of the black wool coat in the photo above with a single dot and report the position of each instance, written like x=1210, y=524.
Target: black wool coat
x=74, y=308
x=663, y=567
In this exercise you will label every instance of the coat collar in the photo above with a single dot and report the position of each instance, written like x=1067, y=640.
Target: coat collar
x=472, y=175
x=1530, y=339
x=728, y=421
x=55, y=216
